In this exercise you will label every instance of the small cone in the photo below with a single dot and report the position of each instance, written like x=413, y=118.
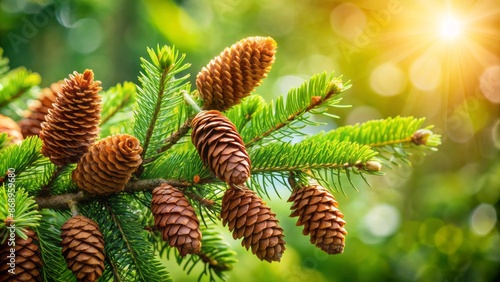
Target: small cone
x=27, y=261
x=235, y=72
x=220, y=147
x=108, y=165
x=248, y=217
x=31, y=125
x=83, y=248
x=317, y=211
x=9, y=126
x=73, y=124
x=176, y=219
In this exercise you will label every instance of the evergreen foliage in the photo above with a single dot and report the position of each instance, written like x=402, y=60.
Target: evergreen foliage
x=163, y=106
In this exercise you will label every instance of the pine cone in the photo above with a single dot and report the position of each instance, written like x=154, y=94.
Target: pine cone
x=83, y=248
x=176, y=219
x=220, y=147
x=318, y=211
x=73, y=124
x=27, y=261
x=235, y=72
x=31, y=125
x=108, y=165
x=7, y=125
x=248, y=217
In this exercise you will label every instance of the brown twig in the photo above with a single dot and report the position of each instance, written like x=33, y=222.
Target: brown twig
x=62, y=201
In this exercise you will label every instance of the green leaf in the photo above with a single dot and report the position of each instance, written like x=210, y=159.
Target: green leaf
x=160, y=108
x=215, y=255
x=130, y=255
x=391, y=137
x=17, y=205
x=4, y=64
x=14, y=85
x=23, y=158
x=54, y=266
x=309, y=154
x=282, y=118
x=117, y=106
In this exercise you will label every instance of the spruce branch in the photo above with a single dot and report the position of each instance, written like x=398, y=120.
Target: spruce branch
x=61, y=201
x=15, y=83
x=156, y=112
x=116, y=99
x=159, y=109
x=284, y=117
x=4, y=64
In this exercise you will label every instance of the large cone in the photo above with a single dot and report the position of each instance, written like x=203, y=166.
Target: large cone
x=108, y=165
x=176, y=219
x=248, y=217
x=83, y=248
x=220, y=147
x=27, y=261
x=318, y=211
x=73, y=124
x=235, y=72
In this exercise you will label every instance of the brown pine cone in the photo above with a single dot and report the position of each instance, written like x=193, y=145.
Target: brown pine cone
x=220, y=147
x=83, y=248
x=235, y=72
x=9, y=126
x=73, y=124
x=27, y=261
x=108, y=165
x=248, y=217
x=31, y=125
x=318, y=211
x=176, y=219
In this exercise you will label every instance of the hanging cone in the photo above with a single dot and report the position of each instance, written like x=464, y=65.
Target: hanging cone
x=83, y=248
x=235, y=72
x=220, y=147
x=176, y=219
x=7, y=125
x=27, y=261
x=248, y=217
x=317, y=211
x=108, y=165
x=73, y=124
x=31, y=125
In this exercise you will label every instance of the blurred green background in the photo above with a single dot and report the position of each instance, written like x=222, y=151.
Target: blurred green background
x=435, y=221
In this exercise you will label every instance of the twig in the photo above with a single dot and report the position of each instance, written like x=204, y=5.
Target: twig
x=63, y=201
x=45, y=191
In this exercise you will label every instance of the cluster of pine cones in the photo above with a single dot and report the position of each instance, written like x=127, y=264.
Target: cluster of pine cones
x=67, y=119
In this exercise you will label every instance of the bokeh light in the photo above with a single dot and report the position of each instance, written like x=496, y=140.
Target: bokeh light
x=490, y=83
x=387, y=79
x=483, y=218
x=425, y=72
x=85, y=36
x=450, y=28
x=382, y=220
x=348, y=20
